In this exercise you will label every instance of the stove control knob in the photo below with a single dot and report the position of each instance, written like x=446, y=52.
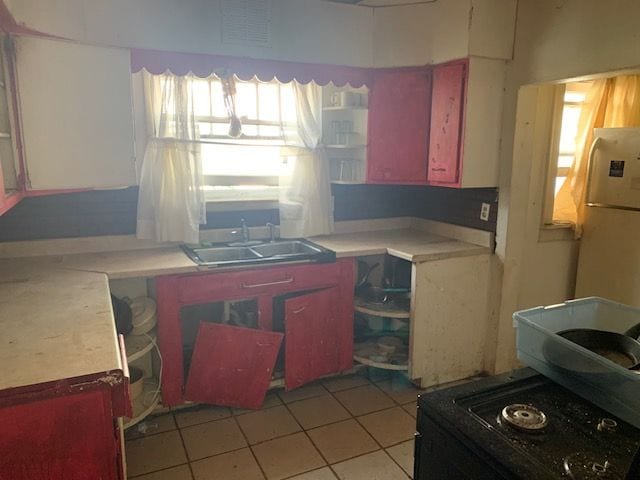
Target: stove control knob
x=607, y=425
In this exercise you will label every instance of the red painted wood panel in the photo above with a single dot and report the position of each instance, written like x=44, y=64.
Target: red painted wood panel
x=64, y=438
x=447, y=111
x=399, y=108
x=170, y=339
x=239, y=284
x=313, y=340
x=232, y=366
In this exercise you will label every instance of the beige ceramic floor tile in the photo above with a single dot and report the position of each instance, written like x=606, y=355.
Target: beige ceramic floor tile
x=364, y=399
x=177, y=473
x=308, y=391
x=271, y=400
x=238, y=465
x=212, y=438
x=336, y=384
x=201, y=414
x=322, y=474
x=268, y=424
x=373, y=466
x=342, y=440
x=155, y=452
x=411, y=409
x=400, y=389
x=287, y=456
x=403, y=455
x=151, y=426
x=318, y=411
x=389, y=427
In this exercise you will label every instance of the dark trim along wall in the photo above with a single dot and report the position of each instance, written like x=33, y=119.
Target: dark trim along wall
x=113, y=212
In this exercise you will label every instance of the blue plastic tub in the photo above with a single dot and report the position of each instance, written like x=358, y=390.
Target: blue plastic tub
x=608, y=385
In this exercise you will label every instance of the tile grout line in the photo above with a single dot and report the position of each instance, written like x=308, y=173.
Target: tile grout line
x=249, y=446
x=326, y=463
x=186, y=452
x=373, y=437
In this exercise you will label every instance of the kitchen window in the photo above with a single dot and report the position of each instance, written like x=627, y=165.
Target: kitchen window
x=570, y=98
x=248, y=167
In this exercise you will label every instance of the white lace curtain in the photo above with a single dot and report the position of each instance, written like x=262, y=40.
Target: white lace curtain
x=305, y=194
x=171, y=203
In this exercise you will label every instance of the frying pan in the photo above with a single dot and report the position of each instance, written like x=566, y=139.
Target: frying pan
x=616, y=347
x=619, y=348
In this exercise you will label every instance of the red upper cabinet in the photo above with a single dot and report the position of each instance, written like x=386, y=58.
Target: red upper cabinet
x=399, y=106
x=447, y=117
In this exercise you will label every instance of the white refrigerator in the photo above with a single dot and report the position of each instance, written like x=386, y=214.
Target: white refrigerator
x=609, y=261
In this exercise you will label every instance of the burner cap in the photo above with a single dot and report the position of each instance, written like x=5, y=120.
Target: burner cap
x=581, y=466
x=524, y=417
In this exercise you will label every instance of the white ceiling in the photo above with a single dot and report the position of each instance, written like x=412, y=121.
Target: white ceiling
x=381, y=3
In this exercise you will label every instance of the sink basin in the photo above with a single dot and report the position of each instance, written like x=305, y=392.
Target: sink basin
x=274, y=252
x=292, y=248
x=225, y=254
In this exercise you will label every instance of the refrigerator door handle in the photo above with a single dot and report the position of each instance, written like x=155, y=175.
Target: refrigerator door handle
x=592, y=152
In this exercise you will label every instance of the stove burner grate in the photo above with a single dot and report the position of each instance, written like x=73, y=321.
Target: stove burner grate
x=524, y=417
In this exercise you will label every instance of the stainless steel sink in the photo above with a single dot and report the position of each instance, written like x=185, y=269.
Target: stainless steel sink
x=288, y=248
x=273, y=252
x=225, y=254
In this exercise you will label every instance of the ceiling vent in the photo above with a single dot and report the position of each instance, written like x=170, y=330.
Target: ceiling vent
x=246, y=22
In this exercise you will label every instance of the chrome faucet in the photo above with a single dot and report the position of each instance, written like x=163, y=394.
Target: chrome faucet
x=244, y=231
x=272, y=232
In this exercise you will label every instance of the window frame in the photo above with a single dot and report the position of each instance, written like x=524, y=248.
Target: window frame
x=554, y=153
x=270, y=182
x=553, y=169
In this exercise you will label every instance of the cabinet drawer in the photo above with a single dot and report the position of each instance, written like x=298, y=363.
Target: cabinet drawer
x=250, y=283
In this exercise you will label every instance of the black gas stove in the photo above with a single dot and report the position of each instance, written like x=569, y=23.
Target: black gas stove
x=520, y=426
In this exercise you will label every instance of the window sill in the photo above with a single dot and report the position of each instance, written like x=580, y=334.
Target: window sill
x=221, y=199
x=557, y=232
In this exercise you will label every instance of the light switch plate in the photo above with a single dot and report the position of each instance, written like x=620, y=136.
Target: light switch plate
x=484, y=212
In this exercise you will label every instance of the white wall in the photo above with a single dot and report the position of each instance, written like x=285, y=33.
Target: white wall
x=555, y=40
x=302, y=30
x=441, y=31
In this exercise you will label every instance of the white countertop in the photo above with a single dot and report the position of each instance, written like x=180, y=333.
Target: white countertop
x=55, y=324
x=408, y=244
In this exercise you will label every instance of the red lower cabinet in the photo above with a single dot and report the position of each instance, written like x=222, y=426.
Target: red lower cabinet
x=232, y=365
x=312, y=331
x=72, y=437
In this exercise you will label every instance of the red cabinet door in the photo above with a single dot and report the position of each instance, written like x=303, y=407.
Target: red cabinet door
x=313, y=337
x=399, y=107
x=71, y=437
x=447, y=112
x=232, y=366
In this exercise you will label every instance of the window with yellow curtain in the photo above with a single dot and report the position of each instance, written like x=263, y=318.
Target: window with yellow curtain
x=607, y=102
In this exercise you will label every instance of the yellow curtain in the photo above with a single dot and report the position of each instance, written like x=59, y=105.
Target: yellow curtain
x=610, y=102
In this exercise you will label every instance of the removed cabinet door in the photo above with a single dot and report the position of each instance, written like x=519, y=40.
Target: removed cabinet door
x=232, y=366
x=399, y=106
x=445, y=138
x=313, y=338
x=77, y=114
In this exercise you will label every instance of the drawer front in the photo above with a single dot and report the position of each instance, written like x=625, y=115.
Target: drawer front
x=251, y=283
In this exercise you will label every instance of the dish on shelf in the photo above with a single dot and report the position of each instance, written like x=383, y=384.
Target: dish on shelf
x=372, y=354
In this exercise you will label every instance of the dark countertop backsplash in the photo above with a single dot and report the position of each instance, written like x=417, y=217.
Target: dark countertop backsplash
x=113, y=212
